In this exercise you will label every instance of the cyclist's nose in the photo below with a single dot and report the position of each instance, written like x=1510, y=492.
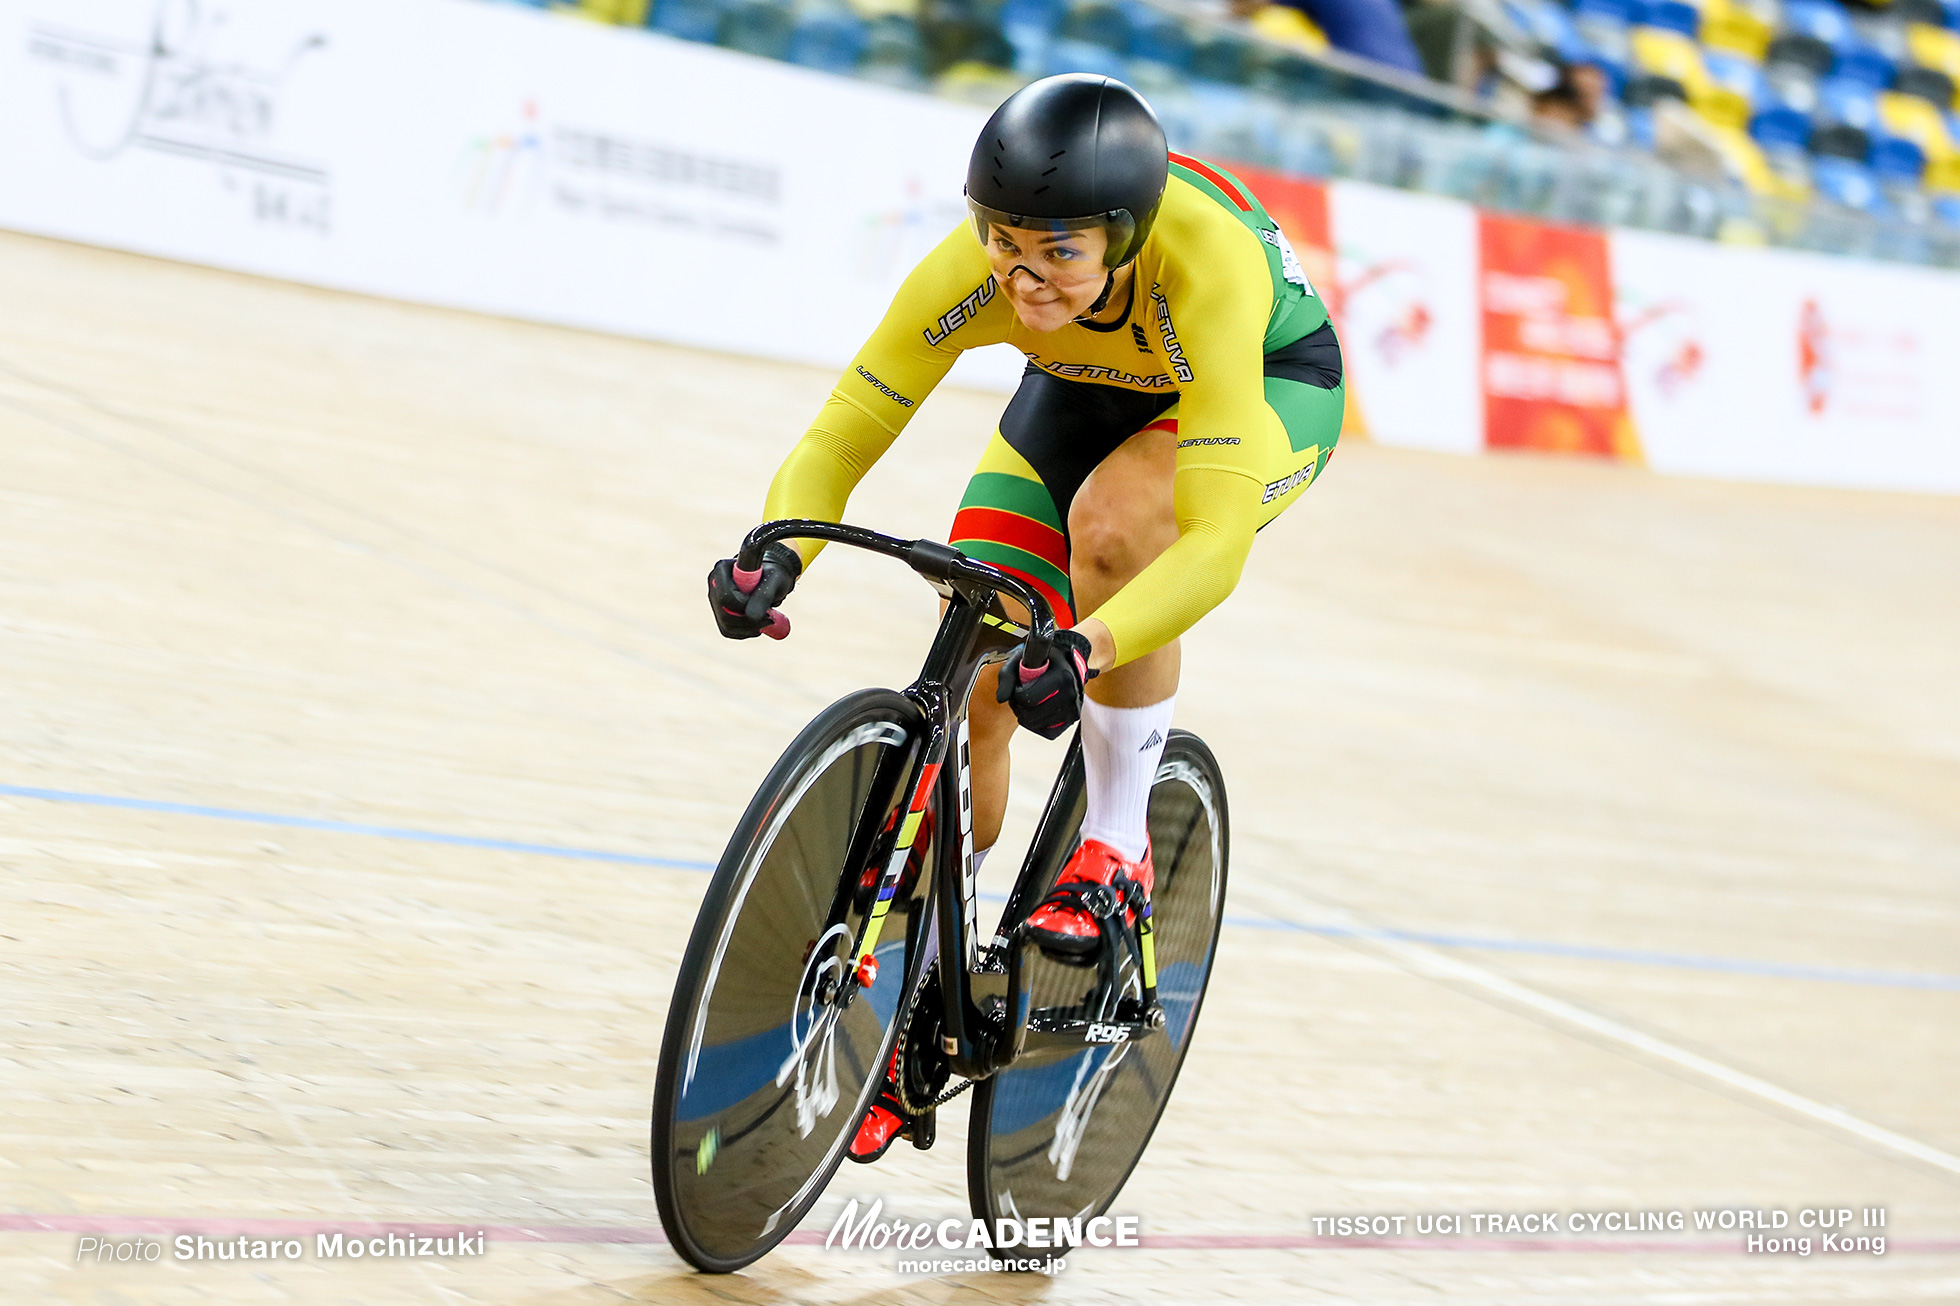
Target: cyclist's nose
x=1022, y=267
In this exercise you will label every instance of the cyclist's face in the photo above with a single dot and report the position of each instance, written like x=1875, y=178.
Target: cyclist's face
x=1051, y=277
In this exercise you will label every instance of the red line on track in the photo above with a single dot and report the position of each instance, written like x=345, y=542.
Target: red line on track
x=648, y=1234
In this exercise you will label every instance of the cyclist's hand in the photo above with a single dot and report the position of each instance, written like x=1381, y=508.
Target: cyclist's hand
x=743, y=612
x=1047, y=699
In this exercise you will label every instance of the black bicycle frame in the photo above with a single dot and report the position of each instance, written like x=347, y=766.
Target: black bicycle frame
x=974, y=630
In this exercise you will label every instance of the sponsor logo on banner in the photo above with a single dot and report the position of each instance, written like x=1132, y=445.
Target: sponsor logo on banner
x=1661, y=344
x=1861, y=367
x=891, y=240
x=611, y=175
x=1551, y=356
x=200, y=86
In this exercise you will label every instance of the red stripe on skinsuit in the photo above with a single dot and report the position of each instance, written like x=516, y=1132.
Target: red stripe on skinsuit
x=1064, y=614
x=1024, y=533
x=1223, y=183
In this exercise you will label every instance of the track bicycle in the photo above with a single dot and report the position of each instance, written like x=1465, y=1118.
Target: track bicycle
x=840, y=931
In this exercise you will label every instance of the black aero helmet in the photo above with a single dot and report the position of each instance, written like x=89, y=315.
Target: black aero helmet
x=1067, y=153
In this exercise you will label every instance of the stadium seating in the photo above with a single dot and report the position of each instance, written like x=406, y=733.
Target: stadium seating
x=1794, y=97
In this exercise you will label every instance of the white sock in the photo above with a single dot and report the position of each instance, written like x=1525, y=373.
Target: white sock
x=980, y=855
x=1121, y=747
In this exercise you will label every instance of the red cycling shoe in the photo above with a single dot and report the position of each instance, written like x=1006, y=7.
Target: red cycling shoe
x=1062, y=926
x=884, y=1124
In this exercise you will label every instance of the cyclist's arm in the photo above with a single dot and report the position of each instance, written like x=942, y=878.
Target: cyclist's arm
x=1220, y=316
x=905, y=358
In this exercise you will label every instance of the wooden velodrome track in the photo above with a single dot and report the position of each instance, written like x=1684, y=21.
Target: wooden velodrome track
x=363, y=740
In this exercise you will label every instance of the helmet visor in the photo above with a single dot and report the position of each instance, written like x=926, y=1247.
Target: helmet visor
x=1117, y=224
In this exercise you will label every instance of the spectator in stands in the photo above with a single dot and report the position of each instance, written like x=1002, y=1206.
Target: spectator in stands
x=1372, y=29
x=1563, y=104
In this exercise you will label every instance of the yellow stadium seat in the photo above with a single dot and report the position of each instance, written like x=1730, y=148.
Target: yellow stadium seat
x=1917, y=121
x=1943, y=174
x=1935, y=47
x=1726, y=25
x=627, y=13
x=1657, y=50
x=1289, y=26
x=1744, y=160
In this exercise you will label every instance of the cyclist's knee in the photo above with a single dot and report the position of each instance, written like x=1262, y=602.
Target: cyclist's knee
x=1111, y=541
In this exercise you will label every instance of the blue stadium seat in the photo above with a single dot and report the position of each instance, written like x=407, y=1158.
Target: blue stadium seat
x=1102, y=25
x=1551, y=26
x=1602, y=25
x=829, y=38
x=1947, y=209
x=894, y=52
x=1898, y=160
x=1737, y=74
x=1222, y=59
x=1029, y=26
x=1640, y=126
x=690, y=20
x=1671, y=15
x=1866, y=64
x=1819, y=18
x=1066, y=56
x=1044, y=15
x=1780, y=125
x=1615, y=11
x=1848, y=183
x=1161, y=39
x=1840, y=99
x=757, y=27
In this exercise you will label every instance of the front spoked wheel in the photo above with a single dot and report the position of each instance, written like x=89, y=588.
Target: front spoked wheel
x=1057, y=1133
x=771, y=1055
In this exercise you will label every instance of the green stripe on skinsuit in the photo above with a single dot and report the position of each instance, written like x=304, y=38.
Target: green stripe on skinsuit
x=1212, y=192
x=1013, y=494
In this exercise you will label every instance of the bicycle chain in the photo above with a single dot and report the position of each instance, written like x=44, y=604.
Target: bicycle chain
x=898, y=1080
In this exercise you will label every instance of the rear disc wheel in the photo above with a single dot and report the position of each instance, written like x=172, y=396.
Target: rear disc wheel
x=1057, y=1133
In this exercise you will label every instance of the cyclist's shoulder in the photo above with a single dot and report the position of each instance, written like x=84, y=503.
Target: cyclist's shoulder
x=1209, y=223
x=951, y=286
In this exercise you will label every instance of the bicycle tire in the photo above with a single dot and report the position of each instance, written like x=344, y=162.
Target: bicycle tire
x=752, y=1114
x=1058, y=1133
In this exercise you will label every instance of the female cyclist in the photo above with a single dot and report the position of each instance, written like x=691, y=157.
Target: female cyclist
x=1183, y=387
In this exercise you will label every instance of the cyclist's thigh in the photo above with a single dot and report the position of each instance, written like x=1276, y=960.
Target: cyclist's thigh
x=1126, y=512
x=1052, y=436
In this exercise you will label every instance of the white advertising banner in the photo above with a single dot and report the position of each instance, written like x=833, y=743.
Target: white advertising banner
x=497, y=158
x=1769, y=365
x=1409, y=324
x=483, y=157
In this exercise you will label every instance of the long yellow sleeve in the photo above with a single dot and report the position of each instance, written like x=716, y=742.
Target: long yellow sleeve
x=948, y=304
x=1217, y=515
x=1220, y=305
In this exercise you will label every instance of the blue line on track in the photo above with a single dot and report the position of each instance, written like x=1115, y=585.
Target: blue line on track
x=351, y=827
x=1891, y=979
x=1525, y=947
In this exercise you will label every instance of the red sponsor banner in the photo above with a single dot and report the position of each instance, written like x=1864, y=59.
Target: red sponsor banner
x=1551, y=352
